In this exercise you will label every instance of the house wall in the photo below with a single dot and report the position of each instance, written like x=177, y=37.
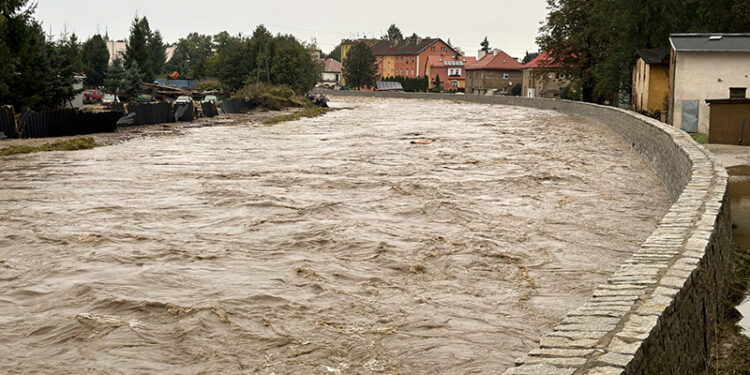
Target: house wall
x=640, y=85
x=540, y=81
x=658, y=88
x=330, y=77
x=705, y=75
x=492, y=79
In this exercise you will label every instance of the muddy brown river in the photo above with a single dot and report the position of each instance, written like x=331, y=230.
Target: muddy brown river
x=324, y=246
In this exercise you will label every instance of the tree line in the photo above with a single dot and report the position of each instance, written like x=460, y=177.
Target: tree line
x=595, y=40
x=38, y=72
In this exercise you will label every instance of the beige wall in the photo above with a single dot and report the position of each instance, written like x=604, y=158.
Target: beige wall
x=706, y=75
x=492, y=79
x=538, y=81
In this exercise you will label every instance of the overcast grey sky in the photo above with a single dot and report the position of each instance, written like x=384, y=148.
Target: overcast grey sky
x=510, y=25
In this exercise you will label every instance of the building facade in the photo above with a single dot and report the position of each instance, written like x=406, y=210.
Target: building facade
x=704, y=66
x=494, y=70
x=452, y=71
x=542, y=78
x=331, y=73
x=651, y=81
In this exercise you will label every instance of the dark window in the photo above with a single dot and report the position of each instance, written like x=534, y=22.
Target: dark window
x=737, y=93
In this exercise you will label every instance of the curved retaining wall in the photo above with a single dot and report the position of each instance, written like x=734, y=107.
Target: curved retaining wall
x=659, y=313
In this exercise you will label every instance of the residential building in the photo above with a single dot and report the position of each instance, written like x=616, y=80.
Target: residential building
x=404, y=58
x=651, y=81
x=331, y=73
x=493, y=70
x=116, y=50
x=542, y=78
x=452, y=71
x=704, y=66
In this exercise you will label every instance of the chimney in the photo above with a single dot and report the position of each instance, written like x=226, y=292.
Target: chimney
x=495, y=51
x=481, y=54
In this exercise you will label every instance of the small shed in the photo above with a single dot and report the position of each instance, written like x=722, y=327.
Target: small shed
x=730, y=121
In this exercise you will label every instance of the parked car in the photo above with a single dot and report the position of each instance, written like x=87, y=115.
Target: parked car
x=92, y=96
x=184, y=99
x=211, y=99
x=109, y=99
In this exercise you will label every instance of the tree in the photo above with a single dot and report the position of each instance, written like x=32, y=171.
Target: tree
x=292, y=65
x=359, y=66
x=335, y=54
x=437, y=86
x=193, y=55
x=114, y=77
x=393, y=33
x=528, y=57
x=70, y=49
x=131, y=82
x=485, y=45
x=95, y=58
x=157, y=53
x=137, y=52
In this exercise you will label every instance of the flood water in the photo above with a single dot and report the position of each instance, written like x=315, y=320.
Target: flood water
x=324, y=246
x=739, y=193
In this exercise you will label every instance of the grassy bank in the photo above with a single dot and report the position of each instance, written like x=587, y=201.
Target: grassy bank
x=700, y=138
x=272, y=97
x=67, y=145
x=307, y=112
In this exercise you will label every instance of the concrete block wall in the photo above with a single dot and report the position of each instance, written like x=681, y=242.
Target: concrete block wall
x=660, y=311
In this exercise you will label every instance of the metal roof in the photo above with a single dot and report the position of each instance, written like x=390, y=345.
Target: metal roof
x=710, y=42
x=387, y=85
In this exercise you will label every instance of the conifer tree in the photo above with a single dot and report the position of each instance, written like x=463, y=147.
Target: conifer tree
x=95, y=58
x=137, y=52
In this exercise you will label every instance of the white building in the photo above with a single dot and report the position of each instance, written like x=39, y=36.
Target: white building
x=705, y=66
x=116, y=50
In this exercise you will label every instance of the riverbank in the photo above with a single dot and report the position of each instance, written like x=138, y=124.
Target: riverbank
x=256, y=116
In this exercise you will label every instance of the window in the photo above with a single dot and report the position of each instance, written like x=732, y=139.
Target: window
x=506, y=76
x=504, y=90
x=442, y=49
x=454, y=83
x=412, y=59
x=433, y=49
x=412, y=72
x=737, y=93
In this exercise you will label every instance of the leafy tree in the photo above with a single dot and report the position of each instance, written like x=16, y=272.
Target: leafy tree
x=485, y=45
x=335, y=54
x=393, y=33
x=359, y=67
x=292, y=65
x=157, y=52
x=137, y=52
x=516, y=90
x=113, y=79
x=192, y=56
x=95, y=58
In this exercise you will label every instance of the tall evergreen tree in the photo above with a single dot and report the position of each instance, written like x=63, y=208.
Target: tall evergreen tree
x=137, y=52
x=359, y=66
x=485, y=45
x=114, y=77
x=95, y=58
x=157, y=53
x=335, y=54
x=130, y=85
x=393, y=33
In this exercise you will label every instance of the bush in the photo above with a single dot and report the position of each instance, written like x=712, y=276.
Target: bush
x=273, y=97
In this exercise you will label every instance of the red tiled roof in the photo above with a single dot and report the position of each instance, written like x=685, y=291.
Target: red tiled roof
x=496, y=61
x=542, y=61
x=331, y=65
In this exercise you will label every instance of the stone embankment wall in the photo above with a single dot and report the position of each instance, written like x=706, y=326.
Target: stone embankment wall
x=659, y=313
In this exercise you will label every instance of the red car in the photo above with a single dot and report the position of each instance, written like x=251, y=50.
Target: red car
x=92, y=96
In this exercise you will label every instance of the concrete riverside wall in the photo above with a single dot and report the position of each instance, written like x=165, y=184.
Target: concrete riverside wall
x=659, y=312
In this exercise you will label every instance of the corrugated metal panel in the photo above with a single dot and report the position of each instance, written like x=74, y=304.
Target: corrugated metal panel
x=690, y=110
x=388, y=86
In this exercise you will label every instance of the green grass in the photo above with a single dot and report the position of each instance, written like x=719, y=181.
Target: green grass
x=307, y=112
x=69, y=145
x=700, y=138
